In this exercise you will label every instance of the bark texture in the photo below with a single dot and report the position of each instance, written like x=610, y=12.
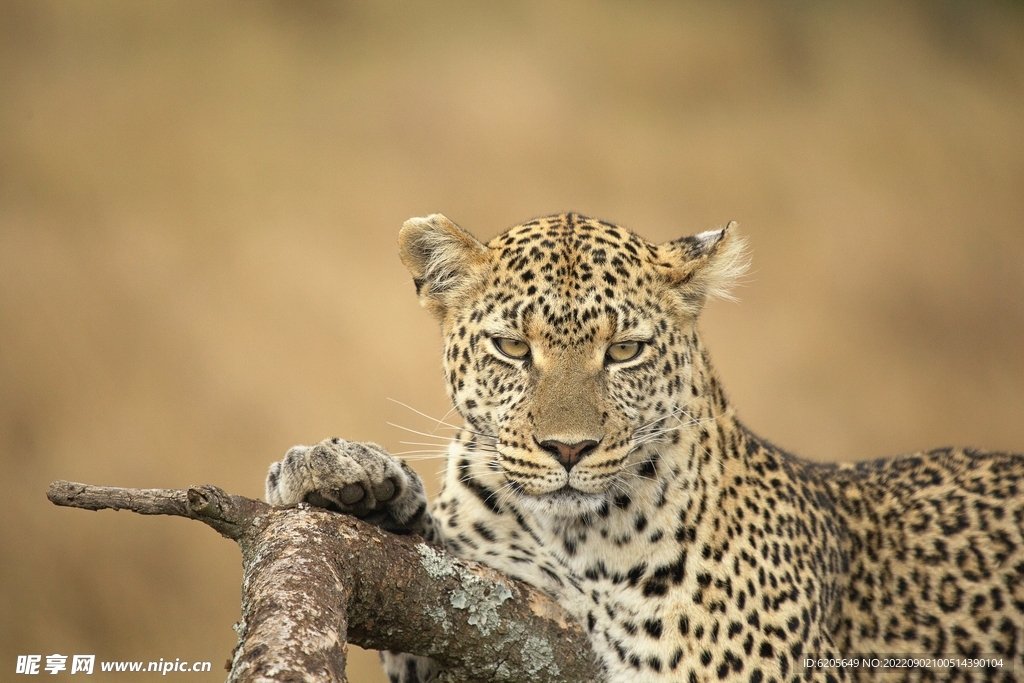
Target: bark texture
x=315, y=580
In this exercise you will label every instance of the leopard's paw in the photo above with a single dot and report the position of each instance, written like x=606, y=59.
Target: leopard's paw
x=357, y=478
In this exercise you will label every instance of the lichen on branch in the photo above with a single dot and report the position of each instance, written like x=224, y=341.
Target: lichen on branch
x=315, y=580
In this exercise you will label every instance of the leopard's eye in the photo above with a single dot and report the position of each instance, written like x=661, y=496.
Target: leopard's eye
x=513, y=348
x=623, y=351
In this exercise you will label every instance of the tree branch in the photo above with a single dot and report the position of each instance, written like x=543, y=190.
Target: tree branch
x=315, y=580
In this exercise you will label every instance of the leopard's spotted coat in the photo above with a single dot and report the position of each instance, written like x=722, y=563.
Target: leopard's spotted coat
x=626, y=488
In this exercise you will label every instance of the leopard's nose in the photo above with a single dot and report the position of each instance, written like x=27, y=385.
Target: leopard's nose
x=568, y=454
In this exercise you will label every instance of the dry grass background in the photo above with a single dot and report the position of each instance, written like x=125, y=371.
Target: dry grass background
x=199, y=204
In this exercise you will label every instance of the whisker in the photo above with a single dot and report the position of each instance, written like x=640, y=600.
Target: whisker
x=677, y=411
x=420, y=412
x=419, y=452
x=441, y=456
x=478, y=448
x=648, y=434
x=440, y=422
x=690, y=422
x=450, y=411
x=652, y=423
x=418, y=458
x=506, y=494
x=420, y=443
x=429, y=435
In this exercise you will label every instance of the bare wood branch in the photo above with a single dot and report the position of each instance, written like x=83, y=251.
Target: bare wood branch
x=315, y=580
x=208, y=504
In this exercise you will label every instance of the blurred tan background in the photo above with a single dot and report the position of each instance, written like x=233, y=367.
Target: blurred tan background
x=199, y=204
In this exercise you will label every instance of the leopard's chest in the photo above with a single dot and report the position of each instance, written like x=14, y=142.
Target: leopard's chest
x=676, y=577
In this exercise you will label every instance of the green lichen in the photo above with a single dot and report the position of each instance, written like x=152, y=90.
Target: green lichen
x=439, y=616
x=482, y=599
x=538, y=655
x=437, y=563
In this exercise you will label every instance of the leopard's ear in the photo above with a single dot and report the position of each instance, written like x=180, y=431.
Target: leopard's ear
x=705, y=265
x=443, y=259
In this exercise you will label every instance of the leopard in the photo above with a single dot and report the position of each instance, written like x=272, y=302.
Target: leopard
x=600, y=461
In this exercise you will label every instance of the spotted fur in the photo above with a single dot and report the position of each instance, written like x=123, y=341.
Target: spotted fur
x=627, y=490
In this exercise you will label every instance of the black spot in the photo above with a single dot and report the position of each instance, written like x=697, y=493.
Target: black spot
x=653, y=628
x=553, y=575
x=655, y=588
x=636, y=573
x=950, y=595
x=486, y=533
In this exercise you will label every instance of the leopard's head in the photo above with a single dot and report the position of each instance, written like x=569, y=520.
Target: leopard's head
x=569, y=346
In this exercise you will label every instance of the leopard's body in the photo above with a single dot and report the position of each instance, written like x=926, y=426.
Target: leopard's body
x=602, y=463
